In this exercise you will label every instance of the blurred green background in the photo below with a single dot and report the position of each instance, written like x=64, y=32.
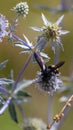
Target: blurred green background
x=37, y=107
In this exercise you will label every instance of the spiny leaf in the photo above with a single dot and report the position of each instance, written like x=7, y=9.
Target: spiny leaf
x=23, y=84
x=23, y=94
x=3, y=64
x=20, y=100
x=6, y=81
x=20, y=44
x=12, y=112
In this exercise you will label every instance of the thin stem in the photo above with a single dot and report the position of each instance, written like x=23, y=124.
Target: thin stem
x=14, y=24
x=21, y=110
x=51, y=97
x=64, y=4
x=56, y=56
x=21, y=72
x=50, y=107
x=5, y=105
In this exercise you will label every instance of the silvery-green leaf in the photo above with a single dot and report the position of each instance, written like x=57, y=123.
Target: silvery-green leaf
x=60, y=44
x=20, y=100
x=44, y=55
x=5, y=81
x=4, y=90
x=59, y=20
x=12, y=112
x=27, y=40
x=19, y=39
x=41, y=43
x=25, y=51
x=3, y=64
x=37, y=29
x=2, y=101
x=20, y=44
x=1, y=105
x=46, y=22
x=53, y=46
x=23, y=94
x=23, y=84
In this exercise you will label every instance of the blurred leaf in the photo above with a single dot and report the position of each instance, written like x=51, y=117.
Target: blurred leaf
x=3, y=64
x=20, y=41
x=20, y=44
x=3, y=90
x=41, y=43
x=64, y=89
x=23, y=84
x=12, y=112
x=20, y=100
x=11, y=77
x=6, y=81
x=37, y=29
x=25, y=51
x=28, y=42
x=23, y=94
x=44, y=55
x=2, y=101
x=25, y=48
x=1, y=105
x=11, y=74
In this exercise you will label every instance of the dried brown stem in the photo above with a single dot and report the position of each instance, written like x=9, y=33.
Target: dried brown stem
x=58, y=117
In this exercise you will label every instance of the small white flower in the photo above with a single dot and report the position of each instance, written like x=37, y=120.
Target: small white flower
x=21, y=8
x=3, y=27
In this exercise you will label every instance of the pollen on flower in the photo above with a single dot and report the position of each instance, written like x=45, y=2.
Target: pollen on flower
x=53, y=31
x=4, y=24
x=21, y=8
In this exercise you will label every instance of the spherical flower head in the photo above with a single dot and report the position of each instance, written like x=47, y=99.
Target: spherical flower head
x=21, y=8
x=3, y=27
x=51, y=31
x=34, y=124
x=49, y=80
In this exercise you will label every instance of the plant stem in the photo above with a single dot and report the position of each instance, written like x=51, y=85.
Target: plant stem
x=50, y=107
x=21, y=72
x=51, y=97
x=5, y=105
x=62, y=113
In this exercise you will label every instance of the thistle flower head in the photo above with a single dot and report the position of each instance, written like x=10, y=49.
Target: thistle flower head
x=3, y=27
x=34, y=124
x=49, y=80
x=21, y=8
x=51, y=31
